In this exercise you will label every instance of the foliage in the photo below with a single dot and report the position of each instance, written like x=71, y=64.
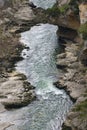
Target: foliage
x=73, y=2
x=83, y=31
x=54, y=11
x=64, y=8
x=3, y=36
x=82, y=108
x=74, y=6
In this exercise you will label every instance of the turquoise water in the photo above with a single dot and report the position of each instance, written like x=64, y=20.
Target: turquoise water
x=49, y=111
x=39, y=65
x=43, y=3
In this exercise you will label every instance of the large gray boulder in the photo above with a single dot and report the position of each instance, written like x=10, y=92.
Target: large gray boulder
x=16, y=91
x=63, y=2
x=25, y=14
x=7, y=3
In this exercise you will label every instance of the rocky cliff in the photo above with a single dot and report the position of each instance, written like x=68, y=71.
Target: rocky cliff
x=15, y=90
x=74, y=61
x=7, y=3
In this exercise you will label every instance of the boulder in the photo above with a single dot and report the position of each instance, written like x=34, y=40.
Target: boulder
x=67, y=61
x=62, y=2
x=75, y=89
x=4, y=125
x=16, y=92
x=11, y=3
x=61, y=56
x=83, y=12
x=25, y=14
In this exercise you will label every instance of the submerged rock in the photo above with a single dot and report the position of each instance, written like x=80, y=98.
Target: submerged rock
x=32, y=5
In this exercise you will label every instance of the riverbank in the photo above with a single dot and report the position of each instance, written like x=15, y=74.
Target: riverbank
x=73, y=60
x=15, y=18
x=15, y=90
x=75, y=84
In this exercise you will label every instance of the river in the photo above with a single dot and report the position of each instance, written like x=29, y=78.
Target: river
x=43, y=3
x=52, y=106
x=49, y=111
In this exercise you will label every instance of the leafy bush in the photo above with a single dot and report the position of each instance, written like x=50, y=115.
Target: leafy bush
x=82, y=108
x=54, y=11
x=74, y=6
x=83, y=31
x=64, y=8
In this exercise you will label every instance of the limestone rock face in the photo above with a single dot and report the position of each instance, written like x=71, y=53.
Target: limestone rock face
x=69, y=57
x=7, y=3
x=4, y=125
x=83, y=13
x=69, y=21
x=75, y=122
x=62, y=2
x=16, y=91
x=24, y=13
x=75, y=83
x=67, y=33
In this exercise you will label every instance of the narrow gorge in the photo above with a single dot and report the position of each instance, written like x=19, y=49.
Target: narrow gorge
x=42, y=75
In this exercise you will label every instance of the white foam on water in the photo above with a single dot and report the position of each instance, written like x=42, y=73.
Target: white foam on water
x=39, y=64
x=49, y=111
x=43, y=3
x=49, y=89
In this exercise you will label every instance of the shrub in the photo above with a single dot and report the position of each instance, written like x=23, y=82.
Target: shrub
x=83, y=31
x=82, y=108
x=54, y=11
x=74, y=6
x=64, y=8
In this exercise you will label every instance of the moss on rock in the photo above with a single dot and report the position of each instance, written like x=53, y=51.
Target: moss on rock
x=83, y=30
x=82, y=109
x=63, y=8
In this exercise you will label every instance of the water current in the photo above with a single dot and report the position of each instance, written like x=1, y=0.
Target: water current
x=49, y=111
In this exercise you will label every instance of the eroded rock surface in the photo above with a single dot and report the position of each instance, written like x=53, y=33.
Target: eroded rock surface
x=25, y=13
x=75, y=83
x=15, y=91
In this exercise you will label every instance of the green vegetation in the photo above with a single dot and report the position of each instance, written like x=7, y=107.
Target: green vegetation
x=2, y=35
x=75, y=1
x=82, y=108
x=64, y=8
x=55, y=10
x=85, y=94
x=83, y=31
x=74, y=6
x=72, y=2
